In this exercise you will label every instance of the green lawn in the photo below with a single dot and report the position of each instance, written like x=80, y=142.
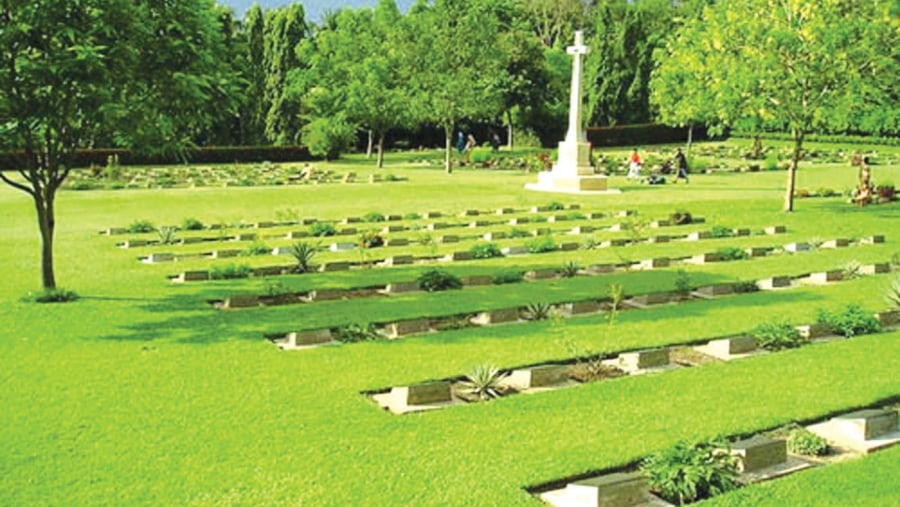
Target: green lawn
x=141, y=394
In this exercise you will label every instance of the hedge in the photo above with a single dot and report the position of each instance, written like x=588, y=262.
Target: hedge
x=205, y=155
x=643, y=134
x=823, y=138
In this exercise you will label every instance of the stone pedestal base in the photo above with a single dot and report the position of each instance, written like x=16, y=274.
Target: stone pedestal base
x=554, y=181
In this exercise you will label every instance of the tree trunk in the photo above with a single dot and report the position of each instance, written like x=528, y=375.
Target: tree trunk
x=46, y=224
x=369, y=147
x=380, y=150
x=509, y=130
x=448, y=138
x=792, y=171
x=690, y=139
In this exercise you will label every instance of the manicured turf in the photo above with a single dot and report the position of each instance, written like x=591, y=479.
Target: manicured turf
x=142, y=394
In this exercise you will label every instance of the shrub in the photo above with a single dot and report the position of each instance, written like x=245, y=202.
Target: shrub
x=140, y=226
x=745, y=286
x=191, y=224
x=329, y=137
x=257, y=248
x=81, y=185
x=518, y=232
x=850, y=322
x=485, y=250
x=508, y=276
x=719, y=231
x=589, y=243
x=689, y=472
x=483, y=382
x=355, y=332
x=481, y=155
x=772, y=162
x=802, y=441
x=322, y=229
x=682, y=283
x=555, y=206
x=53, y=296
x=777, y=336
x=167, y=235
x=373, y=216
x=435, y=280
x=538, y=311
x=731, y=253
x=569, y=269
x=230, y=272
x=303, y=253
x=370, y=240
x=541, y=245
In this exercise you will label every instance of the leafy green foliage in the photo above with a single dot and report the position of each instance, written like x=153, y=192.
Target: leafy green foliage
x=893, y=292
x=569, y=269
x=374, y=216
x=355, y=332
x=370, y=240
x=518, y=232
x=191, y=224
x=53, y=296
x=303, y=253
x=257, y=248
x=775, y=335
x=731, y=253
x=688, y=472
x=168, y=235
x=230, y=272
x=541, y=244
x=719, y=231
x=682, y=283
x=435, y=280
x=329, y=137
x=745, y=286
x=140, y=226
x=322, y=229
x=802, y=441
x=850, y=322
x=483, y=383
x=485, y=250
x=508, y=276
x=538, y=311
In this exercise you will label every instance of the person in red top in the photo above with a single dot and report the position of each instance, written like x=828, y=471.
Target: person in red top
x=634, y=168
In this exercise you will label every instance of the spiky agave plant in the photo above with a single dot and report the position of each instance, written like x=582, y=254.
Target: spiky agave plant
x=303, y=253
x=538, y=311
x=893, y=292
x=483, y=382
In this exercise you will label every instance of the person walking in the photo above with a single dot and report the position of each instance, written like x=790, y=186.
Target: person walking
x=681, y=166
x=634, y=166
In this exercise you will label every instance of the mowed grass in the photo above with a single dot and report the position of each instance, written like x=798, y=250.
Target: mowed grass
x=141, y=394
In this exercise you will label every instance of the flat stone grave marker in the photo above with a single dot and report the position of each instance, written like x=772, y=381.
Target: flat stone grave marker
x=192, y=276
x=192, y=240
x=351, y=220
x=222, y=254
x=654, y=298
x=504, y=211
x=836, y=243
x=397, y=242
x=374, y=178
x=496, y=316
x=876, y=269
x=659, y=262
x=542, y=231
x=612, y=490
x=264, y=224
x=422, y=394
x=308, y=221
x=464, y=255
x=246, y=236
x=348, y=231
x=728, y=348
x=448, y=239
x=826, y=276
x=113, y=230
x=573, y=206
x=813, y=331
x=626, y=213
x=872, y=240
x=861, y=431
x=583, y=229
x=514, y=250
x=662, y=238
x=268, y=270
x=401, y=287
x=308, y=337
x=797, y=247
x=656, y=224
x=478, y=223
x=394, y=218
x=601, y=268
x=776, y=282
x=334, y=266
x=494, y=236
x=326, y=294
x=775, y=229
x=518, y=221
x=407, y=327
x=342, y=247
x=556, y=218
x=582, y=307
x=159, y=257
x=703, y=258
x=539, y=209
x=755, y=251
x=568, y=247
x=720, y=289
x=432, y=214
x=757, y=453
x=281, y=250
x=297, y=234
x=134, y=243
x=436, y=226
x=596, y=215
x=477, y=280
x=614, y=242
x=740, y=232
x=241, y=301
x=641, y=360
x=470, y=213
x=398, y=260
x=541, y=274
x=888, y=318
x=392, y=228
x=538, y=376
x=698, y=235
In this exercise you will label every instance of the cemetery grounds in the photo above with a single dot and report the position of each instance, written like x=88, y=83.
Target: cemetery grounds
x=143, y=392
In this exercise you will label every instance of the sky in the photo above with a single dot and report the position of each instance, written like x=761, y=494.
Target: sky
x=313, y=8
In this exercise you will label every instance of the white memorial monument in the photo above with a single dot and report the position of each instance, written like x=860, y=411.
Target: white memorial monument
x=573, y=172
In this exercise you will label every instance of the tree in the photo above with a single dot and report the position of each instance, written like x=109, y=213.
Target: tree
x=803, y=66
x=451, y=57
x=255, y=108
x=555, y=21
x=284, y=29
x=72, y=71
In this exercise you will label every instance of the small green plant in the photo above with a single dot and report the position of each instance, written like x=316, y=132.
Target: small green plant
x=230, y=272
x=508, y=276
x=140, y=226
x=541, y=245
x=688, y=472
x=731, y=253
x=278, y=292
x=435, y=280
x=893, y=292
x=518, y=232
x=589, y=243
x=412, y=216
x=53, y=296
x=635, y=226
x=802, y=441
x=303, y=253
x=745, y=286
x=355, y=332
x=556, y=206
x=569, y=269
x=370, y=240
x=485, y=250
x=775, y=335
x=851, y=270
x=538, y=311
x=682, y=284
x=850, y=322
x=719, y=231
x=191, y=224
x=322, y=229
x=257, y=248
x=373, y=216
x=483, y=382
x=616, y=296
x=589, y=365
x=167, y=235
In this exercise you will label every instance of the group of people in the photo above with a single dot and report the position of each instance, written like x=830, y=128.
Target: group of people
x=635, y=165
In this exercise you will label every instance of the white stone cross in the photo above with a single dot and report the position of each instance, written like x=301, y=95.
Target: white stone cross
x=575, y=132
